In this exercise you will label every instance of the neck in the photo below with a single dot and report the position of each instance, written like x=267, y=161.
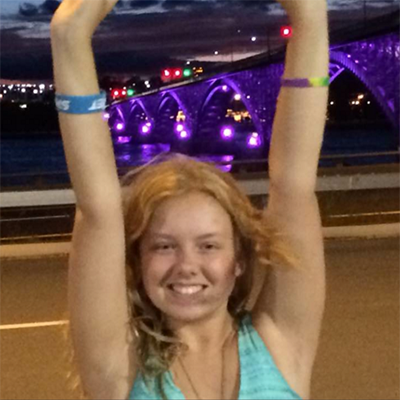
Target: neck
x=205, y=335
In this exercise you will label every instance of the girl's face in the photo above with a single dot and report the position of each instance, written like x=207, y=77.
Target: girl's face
x=188, y=258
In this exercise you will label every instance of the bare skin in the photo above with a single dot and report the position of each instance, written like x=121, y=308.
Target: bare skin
x=175, y=249
x=99, y=242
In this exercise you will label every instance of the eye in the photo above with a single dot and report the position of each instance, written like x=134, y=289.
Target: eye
x=210, y=246
x=163, y=246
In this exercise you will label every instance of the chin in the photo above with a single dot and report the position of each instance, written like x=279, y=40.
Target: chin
x=186, y=315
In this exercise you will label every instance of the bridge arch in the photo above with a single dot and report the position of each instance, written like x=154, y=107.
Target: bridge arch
x=137, y=117
x=116, y=116
x=219, y=84
x=213, y=115
x=347, y=63
x=169, y=103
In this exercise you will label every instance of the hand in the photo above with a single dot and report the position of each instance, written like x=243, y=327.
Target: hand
x=81, y=15
x=303, y=8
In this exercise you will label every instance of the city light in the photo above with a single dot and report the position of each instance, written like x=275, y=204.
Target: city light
x=120, y=126
x=254, y=140
x=179, y=128
x=177, y=73
x=254, y=38
x=227, y=133
x=286, y=31
x=237, y=97
x=145, y=128
x=180, y=116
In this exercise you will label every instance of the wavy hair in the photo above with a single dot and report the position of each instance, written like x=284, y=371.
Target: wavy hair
x=143, y=190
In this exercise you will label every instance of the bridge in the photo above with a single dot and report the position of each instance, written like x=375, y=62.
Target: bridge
x=192, y=115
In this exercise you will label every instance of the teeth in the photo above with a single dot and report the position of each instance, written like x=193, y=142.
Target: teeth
x=187, y=289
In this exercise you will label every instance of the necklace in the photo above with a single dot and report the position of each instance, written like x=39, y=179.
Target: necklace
x=222, y=371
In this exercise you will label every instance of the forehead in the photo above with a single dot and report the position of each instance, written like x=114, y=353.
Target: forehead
x=194, y=213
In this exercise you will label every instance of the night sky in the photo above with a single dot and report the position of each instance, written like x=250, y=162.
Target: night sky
x=141, y=37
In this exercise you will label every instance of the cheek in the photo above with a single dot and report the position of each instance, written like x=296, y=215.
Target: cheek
x=153, y=272
x=225, y=273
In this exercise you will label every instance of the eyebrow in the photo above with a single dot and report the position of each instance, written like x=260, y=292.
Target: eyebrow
x=204, y=236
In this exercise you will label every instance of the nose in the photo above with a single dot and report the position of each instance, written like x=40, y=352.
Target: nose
x=187, y=262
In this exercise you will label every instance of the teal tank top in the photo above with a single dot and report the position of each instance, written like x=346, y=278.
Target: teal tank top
x=259, y=376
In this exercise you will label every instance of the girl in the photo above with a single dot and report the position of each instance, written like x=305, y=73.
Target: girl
x=161, y=293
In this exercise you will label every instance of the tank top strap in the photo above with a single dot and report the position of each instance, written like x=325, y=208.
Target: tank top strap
x=259, y=376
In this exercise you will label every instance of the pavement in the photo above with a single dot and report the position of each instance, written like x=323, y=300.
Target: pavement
x=358, y=355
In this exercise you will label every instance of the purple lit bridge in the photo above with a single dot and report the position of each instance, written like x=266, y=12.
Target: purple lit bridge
x=193, y=115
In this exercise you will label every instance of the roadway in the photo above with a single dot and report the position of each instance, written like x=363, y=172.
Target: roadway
x=358, y=356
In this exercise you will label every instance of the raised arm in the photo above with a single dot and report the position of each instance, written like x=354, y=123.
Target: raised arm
x=301, y=113
x=291, y=302
x=97, y=298
x=86, y=137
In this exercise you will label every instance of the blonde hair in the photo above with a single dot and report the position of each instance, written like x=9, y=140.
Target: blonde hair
x=143, y=190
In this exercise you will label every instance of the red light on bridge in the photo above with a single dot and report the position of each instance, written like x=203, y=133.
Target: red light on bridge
x=178, y=73
x=118, y=93
x=286, y=31
x=170, y=74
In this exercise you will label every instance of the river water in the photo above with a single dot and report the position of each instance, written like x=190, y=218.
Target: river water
x=33, y=159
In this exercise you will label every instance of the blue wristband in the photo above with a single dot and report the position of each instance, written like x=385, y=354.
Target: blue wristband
x=81, y=104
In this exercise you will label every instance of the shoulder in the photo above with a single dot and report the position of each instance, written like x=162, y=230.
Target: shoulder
x=285, y=355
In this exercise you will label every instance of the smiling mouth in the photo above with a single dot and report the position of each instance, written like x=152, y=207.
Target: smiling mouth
x=186, y=289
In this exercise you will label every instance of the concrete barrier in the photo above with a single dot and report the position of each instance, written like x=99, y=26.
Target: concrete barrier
x=329, y=179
